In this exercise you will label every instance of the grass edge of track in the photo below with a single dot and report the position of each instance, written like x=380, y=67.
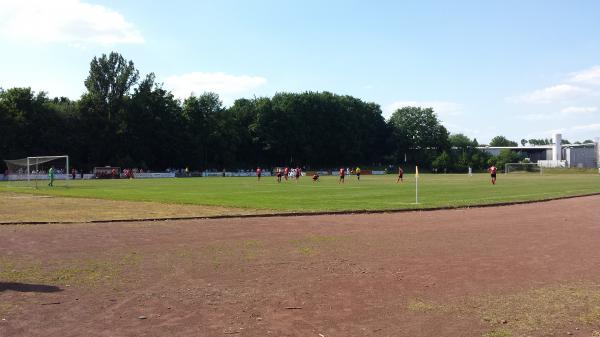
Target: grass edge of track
x=317, y=213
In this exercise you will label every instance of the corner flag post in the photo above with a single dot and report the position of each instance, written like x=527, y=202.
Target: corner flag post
x=416, y=184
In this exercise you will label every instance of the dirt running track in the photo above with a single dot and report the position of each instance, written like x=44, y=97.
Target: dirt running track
x=531, y=270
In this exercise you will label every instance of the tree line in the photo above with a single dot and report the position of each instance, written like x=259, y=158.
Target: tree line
x=124, y=119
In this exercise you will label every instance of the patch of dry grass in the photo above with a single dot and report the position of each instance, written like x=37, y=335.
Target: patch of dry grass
x=544, y=307
x=86, y=272
x=499, y=333
x=312, y=244
x=422, y=306
x=6, y=308
x=219, y=255
x=39, y=208
x=535, y=311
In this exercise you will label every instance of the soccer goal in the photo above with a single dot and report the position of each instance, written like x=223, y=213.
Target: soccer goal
x=38, y=171
x=523, y=168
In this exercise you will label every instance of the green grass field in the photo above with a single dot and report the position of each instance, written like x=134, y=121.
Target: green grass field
x=371, y=193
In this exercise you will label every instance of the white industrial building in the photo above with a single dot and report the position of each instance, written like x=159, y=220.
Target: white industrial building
x=557, y=154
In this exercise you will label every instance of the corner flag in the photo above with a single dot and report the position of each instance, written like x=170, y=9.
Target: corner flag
x=416, y=184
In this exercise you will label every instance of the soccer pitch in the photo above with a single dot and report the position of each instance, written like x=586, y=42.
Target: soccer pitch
x=371, y=193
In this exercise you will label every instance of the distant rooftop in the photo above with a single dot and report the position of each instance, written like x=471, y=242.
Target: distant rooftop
x=533, y=147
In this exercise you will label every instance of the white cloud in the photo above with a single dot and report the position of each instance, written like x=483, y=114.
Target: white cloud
x=65, y=21
x=565, y=113
x=576, y=110
x=578, y=85
x=587, y=127
x=560, y=92
x=587, y=76
x=223, y=84
x=442, y=109
x=537, y=117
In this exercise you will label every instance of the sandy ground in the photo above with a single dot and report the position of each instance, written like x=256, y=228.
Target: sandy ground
x=40, y=208
x=524, y=270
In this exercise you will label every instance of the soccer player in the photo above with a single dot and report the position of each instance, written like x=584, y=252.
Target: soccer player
x=298, y=173
x=258, y=173
x=286, y=172
x=279, y=173
x=51, y=176
x=492, y=170
x=400, y=175
x=315, y=177
x=342, y=175
x=357, y=171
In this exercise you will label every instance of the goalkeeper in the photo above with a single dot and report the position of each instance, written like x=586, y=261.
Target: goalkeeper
x=51, y=176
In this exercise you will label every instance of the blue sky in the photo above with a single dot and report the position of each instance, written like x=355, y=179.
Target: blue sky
x=523, y=69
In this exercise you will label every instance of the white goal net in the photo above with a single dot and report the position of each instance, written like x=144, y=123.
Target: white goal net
x=38, y=171
x=523, y=168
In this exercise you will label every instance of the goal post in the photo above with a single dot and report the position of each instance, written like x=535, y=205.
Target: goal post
x=30, y=171
x=523, y=168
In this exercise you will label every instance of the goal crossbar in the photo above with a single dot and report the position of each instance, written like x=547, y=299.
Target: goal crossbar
x=507, y=167
x=30, y=163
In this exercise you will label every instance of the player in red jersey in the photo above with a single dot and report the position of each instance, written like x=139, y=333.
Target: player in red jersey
x=286, y=172
x=400, y=175
x=298, y=173
x=258, y=173
x=492, y=170
x=315, y=177
x=342, y=175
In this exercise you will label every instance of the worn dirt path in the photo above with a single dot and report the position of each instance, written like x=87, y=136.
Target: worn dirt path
x=531, y=270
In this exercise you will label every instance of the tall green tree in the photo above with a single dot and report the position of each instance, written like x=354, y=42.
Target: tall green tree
x=201, y=115
x=465, y=154
x=110, y=80
x=154, y=136
x=502, y=141
x=506, y=156
x=417, y=132
x=460, y=141
x=443, y=162
x=104, y=109
x=30, y=125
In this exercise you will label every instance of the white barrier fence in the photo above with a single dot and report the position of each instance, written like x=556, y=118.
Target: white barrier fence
x=552, y=163
x=154, y=175
x=149, y=175
x=234, y=174
x=15, y=177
